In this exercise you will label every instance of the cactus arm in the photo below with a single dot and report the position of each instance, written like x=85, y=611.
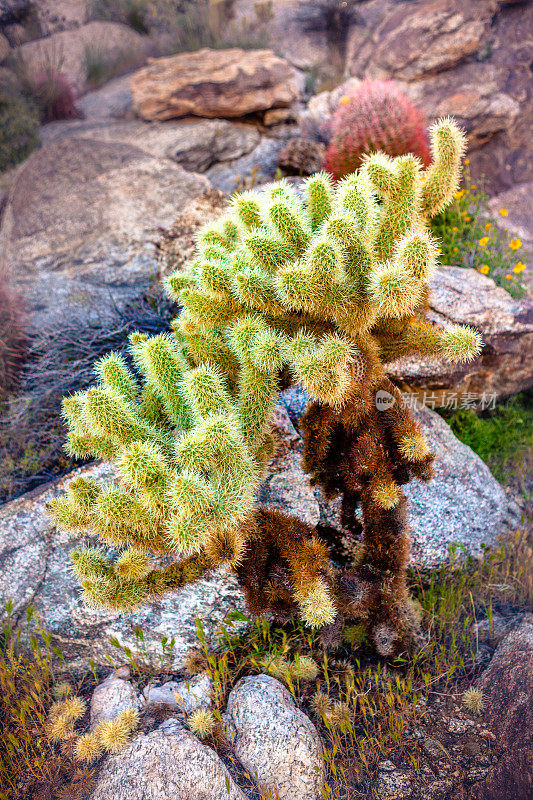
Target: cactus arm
x=441, y=179
x=110, y=589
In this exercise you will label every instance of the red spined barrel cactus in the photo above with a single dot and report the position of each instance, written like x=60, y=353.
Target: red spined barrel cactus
x=376, y=117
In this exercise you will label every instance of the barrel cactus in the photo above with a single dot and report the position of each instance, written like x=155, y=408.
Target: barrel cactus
x=377, y=116
x=320, y=289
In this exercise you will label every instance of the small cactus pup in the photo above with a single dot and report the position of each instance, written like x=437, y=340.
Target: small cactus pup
x=322, y=290
x=376, y=117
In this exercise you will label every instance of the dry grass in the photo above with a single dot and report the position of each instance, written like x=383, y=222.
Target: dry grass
x=60, y=362
x=31, y=764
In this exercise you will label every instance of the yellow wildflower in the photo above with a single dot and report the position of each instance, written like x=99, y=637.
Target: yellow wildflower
x=514, y=244
x=473, y=186
x=504, y=212
x=487, y=225
x=466, y=161
x=484, y=269
x=519, y=267
x=483, y=241
x=467, y=219
x=459, y=194
x=509, y=277
x=454, y=229
x=344, y=99
x=455, y=249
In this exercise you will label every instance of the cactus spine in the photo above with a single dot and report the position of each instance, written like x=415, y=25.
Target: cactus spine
x=325, y=290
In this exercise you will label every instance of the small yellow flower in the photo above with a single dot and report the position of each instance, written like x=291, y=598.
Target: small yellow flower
x=466, y=161
x=487, y=225
x=459, y=194
x=455, y=249
x=454, y=229
x=483, y=241
x=509, y=277
x=484, y=269
x=519, y=267
x=473, y=186
x=515, y=244
x=344, y=99
x=467, y=219
x=504, y=212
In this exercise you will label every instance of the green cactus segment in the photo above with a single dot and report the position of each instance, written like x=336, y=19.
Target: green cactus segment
x=315, y=286
x=448, y=145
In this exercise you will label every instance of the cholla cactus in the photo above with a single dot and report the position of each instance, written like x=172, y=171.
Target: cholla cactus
x=377, y=116
x=321, y=291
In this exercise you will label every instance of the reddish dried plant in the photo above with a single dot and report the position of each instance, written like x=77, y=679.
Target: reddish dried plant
x=55, y=96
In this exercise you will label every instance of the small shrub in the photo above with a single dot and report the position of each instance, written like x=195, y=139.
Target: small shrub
x=19, y=128
x=102, y=66
x=334, y=19
x=202, y=722
x=376, y=117
x=206, y=24
x=331, y=16
x=54, y=96
x=12, y=339
x=115, y=733
x=45, y=84
x=134, y=13
x=470, y=237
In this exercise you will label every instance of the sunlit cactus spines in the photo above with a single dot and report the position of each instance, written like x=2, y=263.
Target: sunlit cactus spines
x=319, y=286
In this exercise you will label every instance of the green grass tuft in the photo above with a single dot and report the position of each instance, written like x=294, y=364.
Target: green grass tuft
x=501, y=437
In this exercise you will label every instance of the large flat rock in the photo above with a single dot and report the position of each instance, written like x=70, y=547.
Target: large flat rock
x=463, y=504
x=81, y=221
x=213, y=83
x=194, y=144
